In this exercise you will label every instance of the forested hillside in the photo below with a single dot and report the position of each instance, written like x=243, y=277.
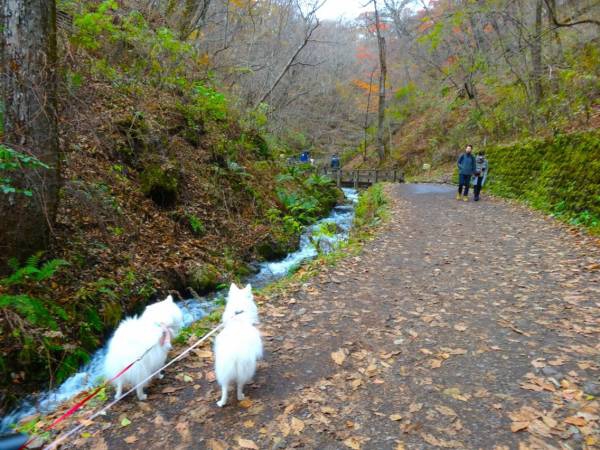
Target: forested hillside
x=485, y=72
x=173, y=175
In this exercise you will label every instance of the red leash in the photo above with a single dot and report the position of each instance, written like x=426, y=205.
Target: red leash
x=77, y=406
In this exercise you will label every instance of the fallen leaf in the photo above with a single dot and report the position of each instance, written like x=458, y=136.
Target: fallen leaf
x=549, y=421
x=297, y=425
x=353, y=443
x=131, y=439
x=436, y=363
x=445, y=410
x=460, y=327
x=215, y=444
x=577, y=421
x=328, y=410
x=396, y=417
x=356, y=384
x=247, y=443
x=203, y=353
x=170, y=389
x=248, y=424
x=125, y=422
x=339, y=357
x=415, y=407
x=246, y=403
x=456, y=394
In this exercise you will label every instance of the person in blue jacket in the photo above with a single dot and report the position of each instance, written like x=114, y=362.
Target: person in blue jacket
x=466, y=169
x=335, y=162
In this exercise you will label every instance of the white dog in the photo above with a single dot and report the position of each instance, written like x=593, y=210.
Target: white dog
x=149, y=337
x=165, y=312
x=238, y=346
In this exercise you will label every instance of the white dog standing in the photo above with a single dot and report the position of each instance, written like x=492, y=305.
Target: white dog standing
x=149, y=336
x=238, y=346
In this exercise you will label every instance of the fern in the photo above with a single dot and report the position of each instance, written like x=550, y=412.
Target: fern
x=49, y=269
x=31, y=309
x=30, y=270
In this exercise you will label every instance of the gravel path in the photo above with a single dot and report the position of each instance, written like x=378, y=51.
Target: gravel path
x=461, y=325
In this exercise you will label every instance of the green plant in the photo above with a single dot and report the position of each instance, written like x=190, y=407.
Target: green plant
x=371, y=208
x=208, y=102
x=31, y=270
x=13, y=161
x=560, y=175
x=196, y=225
x=303, y=209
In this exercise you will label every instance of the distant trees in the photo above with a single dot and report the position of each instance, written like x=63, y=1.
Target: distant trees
x=29, y=56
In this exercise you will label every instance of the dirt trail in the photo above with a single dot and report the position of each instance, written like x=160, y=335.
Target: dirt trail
x=461, y=325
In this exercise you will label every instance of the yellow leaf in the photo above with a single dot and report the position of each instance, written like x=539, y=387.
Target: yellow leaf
x=396, y=417
x=297, y=425
x=460, y=327
x=246, y=403
x=353, y=443
x=339, y=357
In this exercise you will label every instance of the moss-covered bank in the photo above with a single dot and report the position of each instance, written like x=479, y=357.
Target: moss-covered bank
x=560, y=175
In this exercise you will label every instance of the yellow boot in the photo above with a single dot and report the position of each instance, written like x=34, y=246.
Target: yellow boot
x=457, y=196
x=465, y=198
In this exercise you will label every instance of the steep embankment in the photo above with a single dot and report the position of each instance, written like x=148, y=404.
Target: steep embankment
x=165, y=186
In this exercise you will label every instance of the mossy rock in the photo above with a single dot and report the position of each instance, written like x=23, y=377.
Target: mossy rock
x=204, y=278
x=274, y=248
x=161, y=184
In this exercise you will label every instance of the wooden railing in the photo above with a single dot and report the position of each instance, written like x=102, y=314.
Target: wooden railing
x=364, y=177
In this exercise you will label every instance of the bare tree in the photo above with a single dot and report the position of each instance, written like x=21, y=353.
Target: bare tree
x=29, y=56
x=382, y=80
x=312, y=23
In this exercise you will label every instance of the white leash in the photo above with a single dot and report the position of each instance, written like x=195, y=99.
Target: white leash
x=79, y=427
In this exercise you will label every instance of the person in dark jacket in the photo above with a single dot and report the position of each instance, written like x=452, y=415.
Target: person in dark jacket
x=466, y=169
x=335, y=162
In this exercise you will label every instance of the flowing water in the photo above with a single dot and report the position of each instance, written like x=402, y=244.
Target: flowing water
x=194, y=309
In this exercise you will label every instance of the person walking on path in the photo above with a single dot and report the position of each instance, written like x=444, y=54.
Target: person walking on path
x=466, y=169
x=481, y=171
x=335, y=162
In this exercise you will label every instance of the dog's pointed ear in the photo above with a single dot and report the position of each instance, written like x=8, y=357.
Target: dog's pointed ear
x=169, y=298
x=233, y=288
x=248, y=288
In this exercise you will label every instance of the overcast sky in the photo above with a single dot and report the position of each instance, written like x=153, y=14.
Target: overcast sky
x=348, y=9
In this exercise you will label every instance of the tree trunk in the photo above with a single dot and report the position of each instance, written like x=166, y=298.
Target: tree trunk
x=29, y=57
x=536, y=54
x=382, y=81
x=367, y=116
x=194, y=16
